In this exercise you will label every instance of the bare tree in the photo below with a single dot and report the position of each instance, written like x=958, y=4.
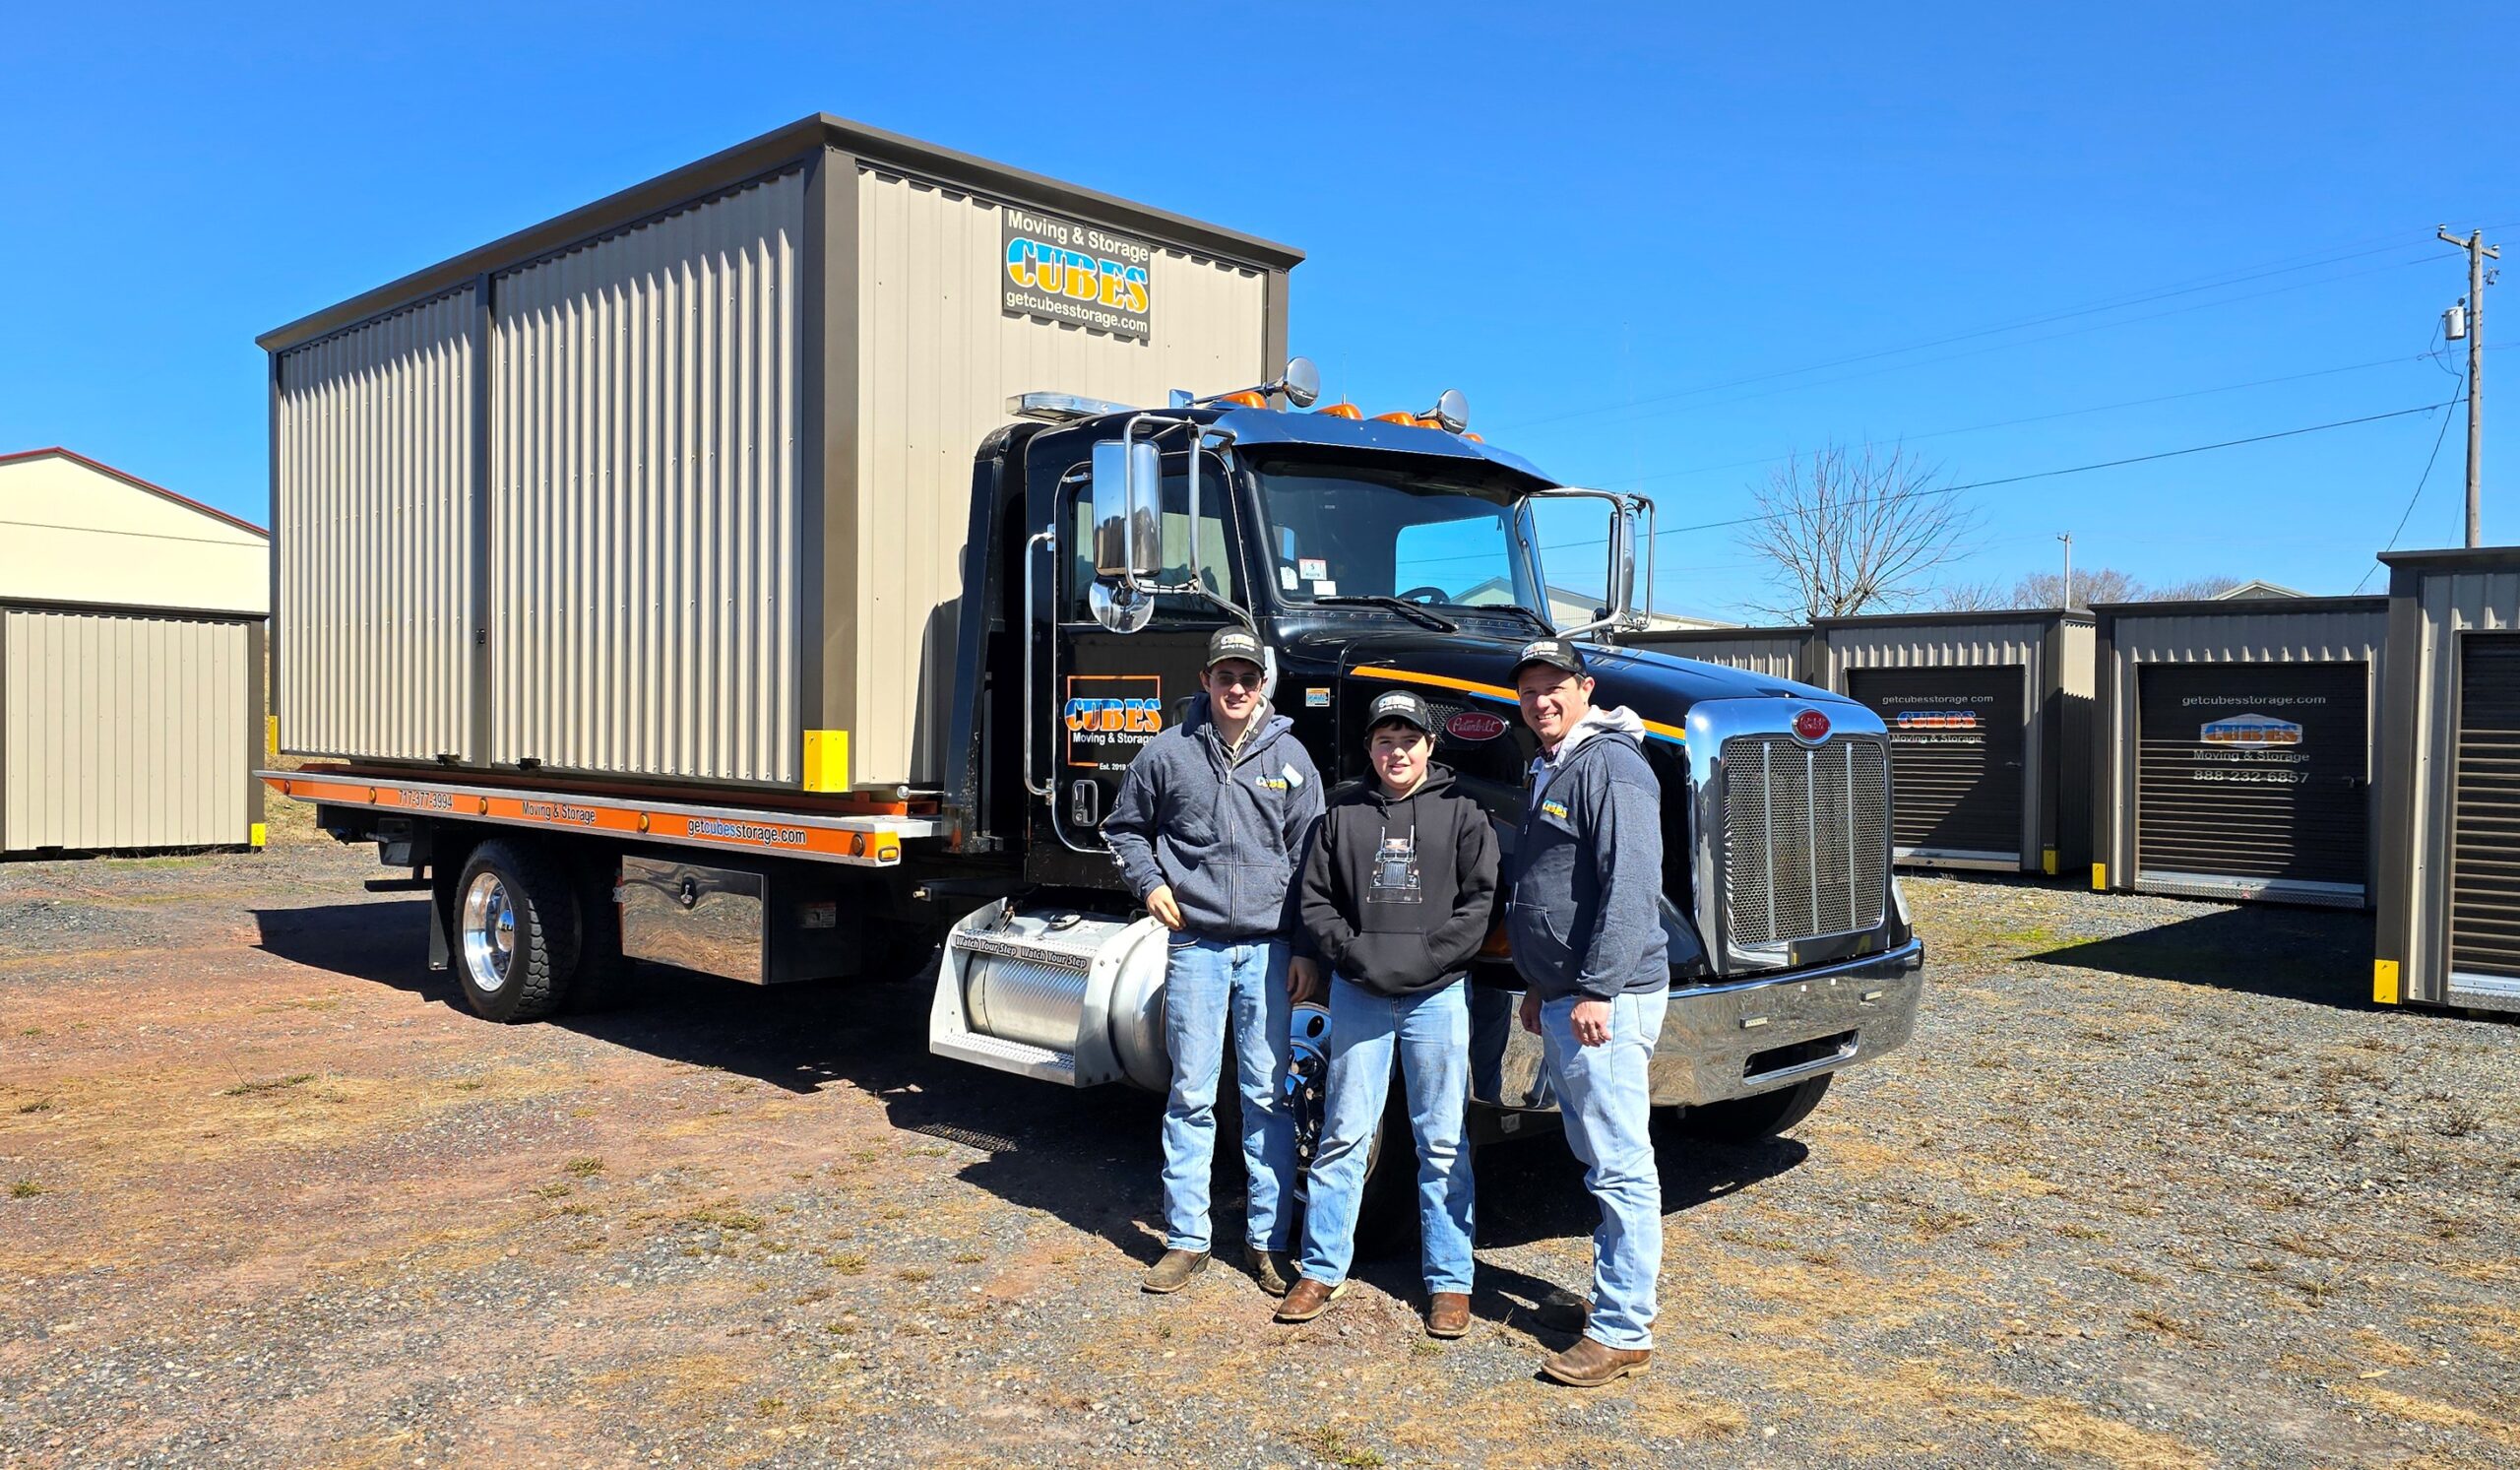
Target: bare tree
x=1972, y=597
x=2193, y=589
x=2099, y=584
x=1850, y=533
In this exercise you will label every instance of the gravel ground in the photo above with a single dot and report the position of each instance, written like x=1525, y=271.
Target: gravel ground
x=2153, y=1187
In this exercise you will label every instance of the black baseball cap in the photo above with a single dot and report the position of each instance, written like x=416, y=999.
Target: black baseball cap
x=1235, y=643
x=1401, y=705
x=1556, y=652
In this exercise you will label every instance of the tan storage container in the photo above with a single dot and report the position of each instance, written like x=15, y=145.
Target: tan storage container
x=675, y=489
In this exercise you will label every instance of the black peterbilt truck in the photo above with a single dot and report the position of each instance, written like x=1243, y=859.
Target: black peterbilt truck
x=653, y=585
x=1105, y=544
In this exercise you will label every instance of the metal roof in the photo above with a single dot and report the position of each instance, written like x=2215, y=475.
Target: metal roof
x=136, y=482
x=771, y=153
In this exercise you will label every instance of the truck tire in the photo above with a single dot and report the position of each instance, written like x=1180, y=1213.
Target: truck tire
x=603, y=981
x=1751, y=1119
x=516, y=932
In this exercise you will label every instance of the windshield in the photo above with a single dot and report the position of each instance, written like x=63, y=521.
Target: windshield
x=1345, y=531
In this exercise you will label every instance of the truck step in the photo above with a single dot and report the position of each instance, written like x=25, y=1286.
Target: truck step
x=1001, y=1054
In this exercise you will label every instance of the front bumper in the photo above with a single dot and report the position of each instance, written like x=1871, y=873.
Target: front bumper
x=1724, y=1041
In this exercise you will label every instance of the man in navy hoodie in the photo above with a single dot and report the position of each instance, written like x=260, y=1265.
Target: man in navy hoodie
x=1586, y=930
x=1209, y=828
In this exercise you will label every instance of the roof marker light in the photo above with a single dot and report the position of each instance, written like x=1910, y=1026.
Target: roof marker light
x=1341, y=411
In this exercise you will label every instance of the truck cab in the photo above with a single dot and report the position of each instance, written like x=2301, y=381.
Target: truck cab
x=1368, y=554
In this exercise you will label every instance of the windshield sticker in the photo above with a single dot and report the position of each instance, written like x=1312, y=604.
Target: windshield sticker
x=1312, y=568
x=1286, y=578
x=1325, y=587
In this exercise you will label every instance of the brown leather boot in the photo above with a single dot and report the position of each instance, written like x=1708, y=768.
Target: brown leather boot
x=1308, y=1298
x=1590, y=1363
x=1175, y=1271
x=1448, y=1314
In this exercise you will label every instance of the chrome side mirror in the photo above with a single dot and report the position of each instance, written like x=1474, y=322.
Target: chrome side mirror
x=1452, y=412
x=1301, y=382
x=1127, y=477
x=1118, y=609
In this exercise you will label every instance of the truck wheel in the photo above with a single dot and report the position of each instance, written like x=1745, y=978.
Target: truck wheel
x=1749, y=1120
x=603, y=973
x=516, y=932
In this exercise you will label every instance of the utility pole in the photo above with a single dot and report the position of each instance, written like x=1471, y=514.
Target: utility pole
x=2479, y=252
x=2066, y=600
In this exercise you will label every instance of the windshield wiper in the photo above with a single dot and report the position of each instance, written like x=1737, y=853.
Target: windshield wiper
x=1405, y=608
x=1548, y=629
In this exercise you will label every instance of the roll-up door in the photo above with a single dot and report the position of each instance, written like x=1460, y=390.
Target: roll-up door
x=1955, y=760
x=2253, y=778
x=2484, y=824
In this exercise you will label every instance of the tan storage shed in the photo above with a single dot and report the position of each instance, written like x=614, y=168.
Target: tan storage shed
x=1990, y=731
x=131, y=663
x=2237, y=745
x=2449, y=839
x=673, y=489
x=1777, y=653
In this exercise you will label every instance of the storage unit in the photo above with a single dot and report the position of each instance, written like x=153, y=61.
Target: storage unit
x=674, y=488
x=1779, y=652
x=2235, y=747
x=131, y=663
x=2450, y=844
x=1988, y=718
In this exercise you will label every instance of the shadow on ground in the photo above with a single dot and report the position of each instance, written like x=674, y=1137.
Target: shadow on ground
x=2318, y=955
x=1090, y=1157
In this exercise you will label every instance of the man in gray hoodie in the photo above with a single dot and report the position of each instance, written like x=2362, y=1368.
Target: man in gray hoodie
x=1587, y=931
x=1208, y=828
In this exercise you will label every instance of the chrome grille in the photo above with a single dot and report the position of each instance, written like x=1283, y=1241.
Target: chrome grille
x=1806, y=838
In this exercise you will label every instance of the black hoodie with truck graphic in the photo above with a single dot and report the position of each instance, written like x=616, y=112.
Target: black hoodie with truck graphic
x=1397, y=891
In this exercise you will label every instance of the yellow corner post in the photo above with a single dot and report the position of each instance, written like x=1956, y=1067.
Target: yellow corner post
x=826, y=760
x=2384, y=983
x=2100, y=878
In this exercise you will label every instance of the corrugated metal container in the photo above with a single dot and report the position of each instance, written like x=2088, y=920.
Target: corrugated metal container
x=127, y=729
x=2449, y=825
x=1778, y=653
x=709, y=498
x=2234, y=747
x=645, y=459
x=372, y=465
x=1988, y=716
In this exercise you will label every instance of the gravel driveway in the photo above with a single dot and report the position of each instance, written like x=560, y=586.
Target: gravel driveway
x=2153, y=1187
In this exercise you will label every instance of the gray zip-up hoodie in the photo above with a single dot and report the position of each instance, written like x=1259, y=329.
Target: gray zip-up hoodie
x=1227, y=832
x=1586, y=918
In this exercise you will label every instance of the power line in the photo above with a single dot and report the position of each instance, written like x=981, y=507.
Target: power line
x=2212, y=282
x=2426, y=478
x=2132, y=403
x=2141, y=458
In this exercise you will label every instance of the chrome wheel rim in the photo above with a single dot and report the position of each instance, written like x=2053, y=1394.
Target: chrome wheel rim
x=489, y=934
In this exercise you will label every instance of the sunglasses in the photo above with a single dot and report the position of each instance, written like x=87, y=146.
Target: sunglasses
x=1232, y=680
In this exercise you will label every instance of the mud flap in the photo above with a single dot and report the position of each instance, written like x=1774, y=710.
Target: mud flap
x=442, y=881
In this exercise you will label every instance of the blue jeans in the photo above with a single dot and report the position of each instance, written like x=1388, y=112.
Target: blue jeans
x=1206, y=984
x=1431, y=1035
x=1603, y=1096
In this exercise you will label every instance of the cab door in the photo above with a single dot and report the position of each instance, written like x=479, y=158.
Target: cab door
x=1109, y=693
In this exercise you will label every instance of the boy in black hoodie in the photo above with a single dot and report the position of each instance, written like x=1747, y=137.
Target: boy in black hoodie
x=1397, y=896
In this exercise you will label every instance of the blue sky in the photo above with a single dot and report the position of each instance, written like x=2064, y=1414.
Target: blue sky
x=1636, y=239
